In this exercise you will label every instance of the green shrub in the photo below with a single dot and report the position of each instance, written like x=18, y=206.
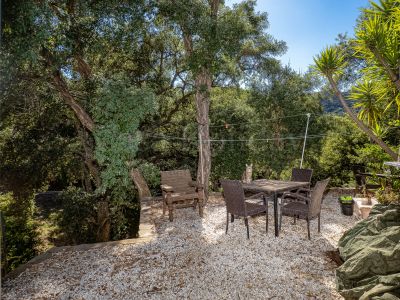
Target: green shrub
x=151, y=173
x=387, y=196
x=21, y=237
x=124, y=213
x=78, y=218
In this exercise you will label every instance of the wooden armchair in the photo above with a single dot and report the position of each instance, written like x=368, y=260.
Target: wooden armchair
x=179, y=191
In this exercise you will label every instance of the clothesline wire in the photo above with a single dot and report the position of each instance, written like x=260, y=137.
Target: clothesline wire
x=166, y=137
x=257, y=123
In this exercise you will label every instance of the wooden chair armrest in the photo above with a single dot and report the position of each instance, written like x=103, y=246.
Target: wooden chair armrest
x=195, y=184
x=167, y=188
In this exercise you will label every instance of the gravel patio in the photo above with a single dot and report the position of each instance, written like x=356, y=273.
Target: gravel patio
x=193, y=258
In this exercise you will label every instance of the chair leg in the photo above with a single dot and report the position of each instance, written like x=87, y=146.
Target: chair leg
x=319, y=223
x=195, y=203
x=308, y=229
x=280, y=221
x=294, y=220
x=201, y=208
x=164, y=207
x=266, y=219
x=171, y=211
x=227, y=222
x=246, y=222
x=232, y=218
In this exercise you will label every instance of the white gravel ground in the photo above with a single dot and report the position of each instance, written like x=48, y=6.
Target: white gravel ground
x=192, y=258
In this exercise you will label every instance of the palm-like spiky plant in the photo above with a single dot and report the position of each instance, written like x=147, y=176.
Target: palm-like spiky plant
x=367, y=101
x=330, y=63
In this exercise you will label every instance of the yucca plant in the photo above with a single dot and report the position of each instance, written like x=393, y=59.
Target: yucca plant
x=330, y=63
x=367, y=100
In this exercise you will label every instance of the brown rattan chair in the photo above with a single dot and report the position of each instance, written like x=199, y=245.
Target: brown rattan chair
x=302, y=175
x=236, y=204
x=307, y=208
x=179, y=191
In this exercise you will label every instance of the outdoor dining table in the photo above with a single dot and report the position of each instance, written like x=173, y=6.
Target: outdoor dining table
x=273, y=187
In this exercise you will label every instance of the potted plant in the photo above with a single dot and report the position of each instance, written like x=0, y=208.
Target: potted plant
x=346, y=204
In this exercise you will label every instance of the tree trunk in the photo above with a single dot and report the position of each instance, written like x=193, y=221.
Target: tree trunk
x=203, y=89
x=386, y=66
x=61, y=86
x=103, y=221
x=360, y=123
x=90, y=163
x=80, y=113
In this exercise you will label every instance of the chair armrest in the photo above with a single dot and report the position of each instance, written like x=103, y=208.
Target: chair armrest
x=302, y=190
x=261, y=196
x=294, y=197
x=195, y=184
x=167, y=188
x=256, y=196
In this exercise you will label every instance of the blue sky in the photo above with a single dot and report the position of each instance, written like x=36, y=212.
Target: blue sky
x=308, y=26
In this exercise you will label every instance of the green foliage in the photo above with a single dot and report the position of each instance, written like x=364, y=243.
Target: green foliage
x=20, y=235
x=367, y=100
x=376, y=49
x=346, y=199
x=118, y=112
x=371, y=156
x=228, y=42
x=388, y=195
x=231, y=118
x=151, y=173
x=288, y=94
x=77, y=222
x=120, y=109
x=330, y=62
x=339, y=148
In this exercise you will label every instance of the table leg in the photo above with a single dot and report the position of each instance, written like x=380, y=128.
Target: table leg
x=276, y=214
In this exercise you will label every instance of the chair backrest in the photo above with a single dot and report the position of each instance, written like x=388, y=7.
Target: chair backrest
x=316, y=197
x=178, y=179
x=234, y=197
x=140, y=183
x=302, y=175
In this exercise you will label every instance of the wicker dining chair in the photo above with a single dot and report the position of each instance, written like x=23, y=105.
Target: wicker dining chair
x=307, y=208
x=179, y=191
x=236, y=204
x=302, y=175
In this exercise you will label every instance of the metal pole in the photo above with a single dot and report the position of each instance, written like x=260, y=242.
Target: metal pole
x=305, y=139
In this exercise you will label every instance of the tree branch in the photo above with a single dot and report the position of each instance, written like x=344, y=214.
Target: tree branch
x=61, y=86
